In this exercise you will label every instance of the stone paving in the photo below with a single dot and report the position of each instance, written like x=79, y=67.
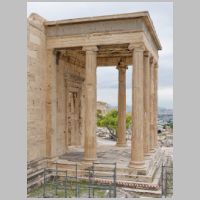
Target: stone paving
x=107, y=151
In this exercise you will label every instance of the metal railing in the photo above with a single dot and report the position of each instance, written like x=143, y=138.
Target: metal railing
x=166, y=180
x=62, y=183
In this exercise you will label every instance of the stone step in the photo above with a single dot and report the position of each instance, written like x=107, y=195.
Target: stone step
x=145, y=193
x=63, y=164
x=123, y=173
x=121, y=183
x=83, y=165
x=106, y=174
x=35, y=173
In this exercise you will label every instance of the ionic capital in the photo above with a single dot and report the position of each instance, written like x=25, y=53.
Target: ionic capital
x=147, y=54
x=152, y=60
x=122, y=65
x=136, y=46
x=91, y=48
x=156, y=65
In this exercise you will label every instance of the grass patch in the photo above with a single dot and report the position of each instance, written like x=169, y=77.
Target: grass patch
x=73, y=189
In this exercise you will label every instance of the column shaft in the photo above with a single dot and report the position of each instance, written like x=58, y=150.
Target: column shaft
x=155, y=104
x=51, y=104
x=121, y=128
x=146, y=103
x=137, y=153
x=90, y=106
x=152, y=111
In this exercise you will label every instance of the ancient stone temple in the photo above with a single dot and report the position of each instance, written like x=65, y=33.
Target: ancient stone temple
x=62, y=60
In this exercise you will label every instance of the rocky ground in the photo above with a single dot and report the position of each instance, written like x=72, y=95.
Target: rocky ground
x=165, y=141
x=103, y=132
x=108, y=151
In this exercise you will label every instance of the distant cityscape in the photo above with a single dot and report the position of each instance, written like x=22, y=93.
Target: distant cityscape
x=161, y=111
x=164, y=115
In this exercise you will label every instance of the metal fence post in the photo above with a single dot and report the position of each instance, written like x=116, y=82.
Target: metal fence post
x=109, y=191
x=165, y=181
x=114, y=179
x=78, y=191
x=65, y=184
x=56, y=179
x=44, y=183
x=76, y=180
x=162, y=185
x=93, y=179
x=89, y=184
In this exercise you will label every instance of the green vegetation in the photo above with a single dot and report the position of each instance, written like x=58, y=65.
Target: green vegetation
x=110, y=122
x=168, y=124
x=71, y=190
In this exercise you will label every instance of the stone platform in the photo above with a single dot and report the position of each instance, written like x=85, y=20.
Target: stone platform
x=110, y=153
x=107, y=151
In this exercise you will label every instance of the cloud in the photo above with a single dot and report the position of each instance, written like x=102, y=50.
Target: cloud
x=110, y=95
x=62, y=10
x=107, y=86
x=107, y=78
x=165, y=97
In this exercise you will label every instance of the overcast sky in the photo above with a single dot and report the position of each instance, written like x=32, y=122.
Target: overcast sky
x=107, y=77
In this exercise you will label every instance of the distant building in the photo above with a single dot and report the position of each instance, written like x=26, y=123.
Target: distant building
x=102, y=107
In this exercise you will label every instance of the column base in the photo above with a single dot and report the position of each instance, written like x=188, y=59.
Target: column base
x=153, y=150
x=89, y=159
x=139, y=167
x=52, y=158
x=148, y=154
x=156, y=146
x=121, y=144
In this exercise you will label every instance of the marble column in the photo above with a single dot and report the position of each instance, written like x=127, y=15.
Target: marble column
x=152, y=112
x=137, y=151
x=146, y=102
x=51, y=105
x=155, y=104
x=90, y=103
x=121, y=128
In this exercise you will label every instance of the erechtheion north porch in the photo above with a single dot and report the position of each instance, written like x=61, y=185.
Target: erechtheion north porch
x=62, y=60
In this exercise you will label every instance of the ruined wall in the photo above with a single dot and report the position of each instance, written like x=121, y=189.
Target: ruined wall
x=47, y=97
x=61, y=126
x=64, y=79
x=75, y=101
x=36, y=62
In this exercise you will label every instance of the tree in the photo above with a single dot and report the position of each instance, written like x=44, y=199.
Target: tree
x=110, y=121
x=170, y=124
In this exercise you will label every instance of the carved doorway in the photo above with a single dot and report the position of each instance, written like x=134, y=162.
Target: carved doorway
x=73, y=110
x=73, y=118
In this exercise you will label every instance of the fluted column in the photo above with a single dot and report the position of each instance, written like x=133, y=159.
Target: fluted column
x=152, y=108
x=137, y=151
x=51, y=108
x=155, y=104
x=90, y=107
x=146, y=102
x=121, y=128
